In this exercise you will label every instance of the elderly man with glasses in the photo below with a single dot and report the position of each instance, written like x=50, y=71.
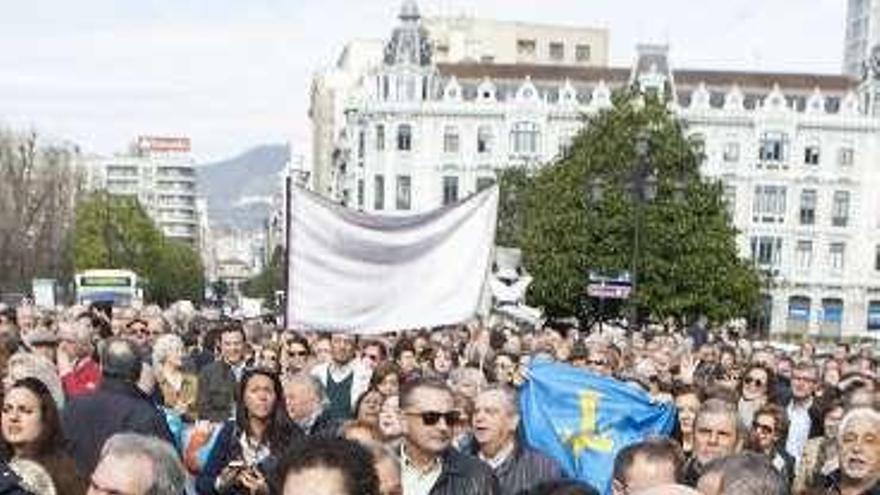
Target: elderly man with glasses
x=429, y=465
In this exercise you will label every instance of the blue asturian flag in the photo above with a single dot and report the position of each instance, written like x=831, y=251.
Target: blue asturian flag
x=582, y=419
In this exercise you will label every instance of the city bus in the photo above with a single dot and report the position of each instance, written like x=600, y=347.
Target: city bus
x=117, y=287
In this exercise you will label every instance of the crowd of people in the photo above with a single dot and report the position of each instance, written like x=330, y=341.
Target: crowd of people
x=174, y=402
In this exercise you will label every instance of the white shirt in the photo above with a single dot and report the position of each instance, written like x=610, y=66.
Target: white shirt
x=500, y=457
x=416, y=481
x=798, y=429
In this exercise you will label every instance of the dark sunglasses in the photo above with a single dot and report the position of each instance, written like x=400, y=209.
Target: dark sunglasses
x=767, y=430
x=753, y=381
x=297, y=353
x=431, y=418
x=597, y=363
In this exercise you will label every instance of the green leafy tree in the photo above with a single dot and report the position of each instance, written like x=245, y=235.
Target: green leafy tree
x=687, y=261
x=513, y=185
x=268, y=281
x=116, y=232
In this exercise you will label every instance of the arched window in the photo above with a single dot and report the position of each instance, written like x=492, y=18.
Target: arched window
x=404, y=137
x=524, y=138
x=832, y=316
x=798, y=314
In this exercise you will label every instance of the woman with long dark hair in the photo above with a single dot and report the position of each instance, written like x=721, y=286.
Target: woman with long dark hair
x=248, y=447
x=31, y=428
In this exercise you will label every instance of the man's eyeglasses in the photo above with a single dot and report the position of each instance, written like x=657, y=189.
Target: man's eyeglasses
x=297, y=353
x=431, y=418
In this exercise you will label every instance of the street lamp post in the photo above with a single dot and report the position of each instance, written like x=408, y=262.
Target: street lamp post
x=642, y=186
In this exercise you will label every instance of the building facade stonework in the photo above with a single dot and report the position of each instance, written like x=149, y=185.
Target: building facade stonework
x=796, y=155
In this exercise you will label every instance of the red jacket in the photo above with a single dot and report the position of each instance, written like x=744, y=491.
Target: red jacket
x=84, y=379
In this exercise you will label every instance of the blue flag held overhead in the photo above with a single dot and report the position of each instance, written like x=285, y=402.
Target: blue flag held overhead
x=582, y=419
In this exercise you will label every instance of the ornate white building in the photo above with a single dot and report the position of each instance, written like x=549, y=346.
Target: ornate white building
x=796, y=154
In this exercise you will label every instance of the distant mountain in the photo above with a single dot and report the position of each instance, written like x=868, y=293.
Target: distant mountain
x=239, y=190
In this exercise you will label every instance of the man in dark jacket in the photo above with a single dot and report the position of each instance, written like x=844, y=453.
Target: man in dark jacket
x=217, y=381
x=429, y=465
x=517, y=467
x=117, y=406
x=305, y=401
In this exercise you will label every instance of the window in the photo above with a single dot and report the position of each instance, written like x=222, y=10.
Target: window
x=525, y=48
x=774, y=146
x=873, y=315
x=362, y=138
x=379, y=192
x=485, y=183
x=557, y=51
x=450, y=190
x=524, y=137
x=840, y=209
x=360, y=193
x=566, y=142
x=845, y=156
x=804, y=255
x=811, y=154
x=836, y=256
x=877, y=258
x=730, y=200
x=404, y=192
x=404, y=137
x=808, y=207
x=832, y=312
x=380, y=137
x=769, y=204
x=767, y=251
x=731, y=152
x=582, y=53
x=450, y=139
x=484, y=139
x=799, y=308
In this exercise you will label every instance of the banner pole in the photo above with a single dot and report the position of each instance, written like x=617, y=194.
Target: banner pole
x=288, y=193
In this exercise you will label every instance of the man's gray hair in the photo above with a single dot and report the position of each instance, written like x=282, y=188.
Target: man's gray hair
x=867, y=413
x=749, y=473
x=716, y=406
x=507, y=394
x=168, y=476
x=304, y=378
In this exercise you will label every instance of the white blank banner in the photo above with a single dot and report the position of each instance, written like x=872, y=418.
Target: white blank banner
x=368, y=274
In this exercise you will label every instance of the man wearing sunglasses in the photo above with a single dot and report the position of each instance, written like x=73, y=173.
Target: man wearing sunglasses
x=429, y=465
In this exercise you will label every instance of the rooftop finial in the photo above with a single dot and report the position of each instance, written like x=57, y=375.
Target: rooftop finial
x=409, y=11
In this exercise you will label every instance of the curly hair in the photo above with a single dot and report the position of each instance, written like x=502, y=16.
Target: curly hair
x=352, y=460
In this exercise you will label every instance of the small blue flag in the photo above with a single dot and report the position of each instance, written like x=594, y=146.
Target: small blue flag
x=582, y=419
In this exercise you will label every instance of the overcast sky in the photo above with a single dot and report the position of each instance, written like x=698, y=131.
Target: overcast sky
x=235, y=73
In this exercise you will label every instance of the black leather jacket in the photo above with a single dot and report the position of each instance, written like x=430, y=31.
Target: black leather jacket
x=465, y=475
